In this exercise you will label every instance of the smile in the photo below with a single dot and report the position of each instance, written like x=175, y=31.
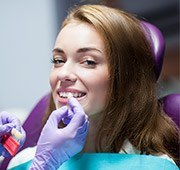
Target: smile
x=76, y=94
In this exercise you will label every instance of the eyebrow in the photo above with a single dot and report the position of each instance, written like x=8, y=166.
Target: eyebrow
x=80, y=50
x=86, y=49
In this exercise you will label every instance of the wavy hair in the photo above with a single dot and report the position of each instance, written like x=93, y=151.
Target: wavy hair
x=132, y=110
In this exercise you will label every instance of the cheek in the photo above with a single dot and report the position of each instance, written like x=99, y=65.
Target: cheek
x=99, y=81
x=99, y=85
x=53, y=80
x=97, y=92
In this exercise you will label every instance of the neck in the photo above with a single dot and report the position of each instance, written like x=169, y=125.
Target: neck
x=94, y=121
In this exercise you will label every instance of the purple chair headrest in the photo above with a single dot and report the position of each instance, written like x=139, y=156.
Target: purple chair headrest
x=171, y=106
x=33, y=123
x=157, y=44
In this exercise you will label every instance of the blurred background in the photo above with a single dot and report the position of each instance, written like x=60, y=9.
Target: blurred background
x=28, y=29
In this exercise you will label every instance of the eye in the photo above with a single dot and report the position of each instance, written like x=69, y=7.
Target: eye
x=90, y=63
x=57, y=61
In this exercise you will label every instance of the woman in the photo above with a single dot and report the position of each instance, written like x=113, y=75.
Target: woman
x=102, y=57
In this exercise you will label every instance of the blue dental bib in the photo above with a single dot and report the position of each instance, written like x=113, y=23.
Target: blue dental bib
x=111, y=161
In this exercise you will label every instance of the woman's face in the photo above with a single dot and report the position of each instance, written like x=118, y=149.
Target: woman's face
x=80, y=67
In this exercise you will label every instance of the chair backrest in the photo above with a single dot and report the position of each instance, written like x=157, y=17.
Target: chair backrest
x=171, y=106
x=157, y=44
x=33, y=124
x=171, y=102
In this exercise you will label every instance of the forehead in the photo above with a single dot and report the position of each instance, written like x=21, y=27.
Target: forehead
x=79, y=34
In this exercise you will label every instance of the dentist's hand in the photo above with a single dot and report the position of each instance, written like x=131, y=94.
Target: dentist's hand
x=7, y=122
x=57, y=145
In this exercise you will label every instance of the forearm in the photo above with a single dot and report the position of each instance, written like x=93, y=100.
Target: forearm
x=41, y=164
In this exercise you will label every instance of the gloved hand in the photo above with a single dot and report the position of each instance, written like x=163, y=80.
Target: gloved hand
x=57, y=145
x=7, y=122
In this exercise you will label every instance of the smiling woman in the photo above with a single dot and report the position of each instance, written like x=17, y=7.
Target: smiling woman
x=102, y=58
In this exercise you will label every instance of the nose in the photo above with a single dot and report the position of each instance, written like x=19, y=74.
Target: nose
x=66, y=74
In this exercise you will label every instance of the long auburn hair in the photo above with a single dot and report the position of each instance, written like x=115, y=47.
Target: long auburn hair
x=132, y=110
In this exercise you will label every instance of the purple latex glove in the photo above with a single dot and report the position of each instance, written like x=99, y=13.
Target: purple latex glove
x=57, y=145
x=7, y=122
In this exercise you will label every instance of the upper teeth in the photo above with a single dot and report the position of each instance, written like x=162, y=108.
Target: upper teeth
x=66, y=94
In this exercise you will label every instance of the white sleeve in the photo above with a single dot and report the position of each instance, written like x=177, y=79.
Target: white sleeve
x=128, y=148
x=24, y=156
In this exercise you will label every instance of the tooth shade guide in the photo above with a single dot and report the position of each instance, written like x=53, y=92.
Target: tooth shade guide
x=70, y=95
x=16, y=134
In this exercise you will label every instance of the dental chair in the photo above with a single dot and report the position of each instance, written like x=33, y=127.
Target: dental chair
x=171, y=103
